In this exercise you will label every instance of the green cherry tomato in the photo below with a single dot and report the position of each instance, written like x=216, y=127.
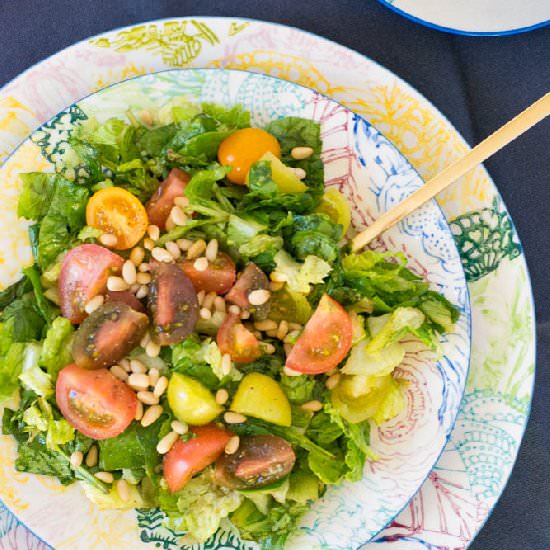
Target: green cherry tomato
x=191, y=401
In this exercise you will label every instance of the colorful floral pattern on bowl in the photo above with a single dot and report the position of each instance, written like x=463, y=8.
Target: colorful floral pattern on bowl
x=373, y=175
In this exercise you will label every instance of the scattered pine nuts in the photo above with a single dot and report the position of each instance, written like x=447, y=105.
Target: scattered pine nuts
x=179, y=427
x=108, y=239
x=91, y=456
x=219, y=303
x=232, y=445
x=116, y=283
x=139, y=410
x=211, y=250
x=93, y=304
x=312, y=406
x=152, y=414
x=184, y=244
x=174, y=249
x=142, y=291
x=152, y=349
x=231, y=417
x=161, y=255
x=167, y=442
x=154, y=376
x=178, y=215
x=291, y=372
x=300, y=173
x=234, y=310
x=182, y=201
x=208, y=301
x=137, y=366
x=259, y=297
x=149, y=244
x=205, y=313
x=119, y=372
x=201, y=264
x=123, y=490
x=267, y=324
x=196, y=249
x=154, y=232
x=300, y=153
x=282, y=330
x=106, y=477
x=137, y=255
x=226, y=364
x=129, y=272
x=139, y=381
x=76, y=459
x=160, y=386
x=222, y=395
x=143, y=278
x=332, y=381
x=147, y=397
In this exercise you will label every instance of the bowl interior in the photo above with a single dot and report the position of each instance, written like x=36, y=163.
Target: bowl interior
x=373, y=175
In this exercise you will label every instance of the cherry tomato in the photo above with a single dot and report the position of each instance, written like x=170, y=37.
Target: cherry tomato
x=234, y=338
x=252, y=278
x=243, y=148
x=218, y=277
x=335, y=205
x=111, y=332
x=187, y=458
x=84, y=274
x=95, y=402
x=126, y=297
x=260, y=460
x=159, y=205
x=325, y=341
x=117, y=212
x=173, y=304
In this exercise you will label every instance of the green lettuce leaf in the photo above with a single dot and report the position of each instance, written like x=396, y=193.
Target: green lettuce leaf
x=32, y=376
x=56, y=348
x=300, y=276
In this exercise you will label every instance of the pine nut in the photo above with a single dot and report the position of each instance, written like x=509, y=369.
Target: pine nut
x=218, y=318
x=332, y=381
x=211, y=250
x=167, y=442
x=282, y=330
x=299, y=172
x=231, y=417
x=182, y=201
x=143, y=278
x=300, y=153
x=76, y=459
x=205, y=313
x=219, y=303
x=137, y=366
x=139, y=410
x=226, y=364
x=268, y=324
x=129, y=272
x=178, y=215
x=91, y=456
x=275, y=286
x=259, y=297
x=147, y=397
x=119, y=372
x=145, y=340
x=291, y=372
x=196, y=249
x=146, y=117
x=134, y=288
x=154, y=376
x=222, y=395
x=117, y=283
x=201, y=264
x=144, y=267
x=108, y=239
x=137, y=255
x=184, y=244
x=106, y=477
x=123, y=490
x=93, y=304
x=232, y=445
x=208, y=301
x=278, y=277
x=152, y=349
x=149, y=244
x=200, y=297
x=161, y=255
x=152, y=414
x=142, y=291
x=160, y=386
x=331, y=371
x=125, y=364
x=174, y=249
x=170, y=224
x=271, y=333
x=312, y=406
x=138, y=381
x=179, y=427
x=294, y=326
x=234, y=310
x=154, y=232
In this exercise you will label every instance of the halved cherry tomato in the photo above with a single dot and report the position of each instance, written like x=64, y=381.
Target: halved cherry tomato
x=95, y=402
x=84, y=274
x=173, y=304
x=325, y=341
x=126, y=297
x=234, y=338
x=243, y=148
x=252, y=278
x=159, y=205
x=187, y=458
x=111, y=332
x=117, y=212
x=218, y=277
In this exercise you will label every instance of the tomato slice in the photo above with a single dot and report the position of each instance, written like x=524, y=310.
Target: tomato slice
x=252, y=278
x=95, y=402
x=117, y=212
x=126, y=297
x=325, y=341
x=159, y=205
x=84, y=274
x=187, y=458
x=218, y=277
x=234, y=338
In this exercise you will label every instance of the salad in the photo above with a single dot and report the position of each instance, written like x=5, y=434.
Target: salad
x=195, y=334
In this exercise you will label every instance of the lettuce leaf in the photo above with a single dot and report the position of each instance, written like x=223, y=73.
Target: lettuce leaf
x=300, y=276
x=32, y=376
x=11, y=362
x=56, y=347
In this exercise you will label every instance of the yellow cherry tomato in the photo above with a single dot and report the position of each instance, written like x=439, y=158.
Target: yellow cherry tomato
x=335, y=205
x=117, y=212
x=261, y=397
x=243, y=148
x=191, y=401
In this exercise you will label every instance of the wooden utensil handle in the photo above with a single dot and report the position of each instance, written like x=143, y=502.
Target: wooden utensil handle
x=501, y=137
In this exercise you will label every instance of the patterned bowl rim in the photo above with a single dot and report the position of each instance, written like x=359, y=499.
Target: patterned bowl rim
x=446, y=226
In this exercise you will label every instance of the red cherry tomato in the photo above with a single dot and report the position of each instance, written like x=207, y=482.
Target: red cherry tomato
x=84, y=274
x=243, y=148
x=325, y=341
x=218, y=277
x=95, y=402
x=252, y=278
x=187, y=458
x=126, y=297
x=234, y=338
x=159, y=205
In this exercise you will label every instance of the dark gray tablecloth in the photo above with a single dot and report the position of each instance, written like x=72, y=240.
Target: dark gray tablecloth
x=478, y=83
